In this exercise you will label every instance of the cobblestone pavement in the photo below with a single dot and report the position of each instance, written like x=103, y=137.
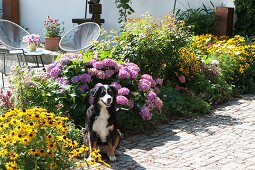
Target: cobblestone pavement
x=224, y=139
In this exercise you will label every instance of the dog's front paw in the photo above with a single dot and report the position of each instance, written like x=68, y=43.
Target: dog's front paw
x=112, y=158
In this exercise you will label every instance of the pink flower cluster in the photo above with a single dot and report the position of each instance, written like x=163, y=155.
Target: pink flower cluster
x=142, y=89
x=32, y=39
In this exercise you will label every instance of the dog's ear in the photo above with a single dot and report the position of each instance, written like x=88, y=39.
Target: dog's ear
x=115, y=91
x=94, y=91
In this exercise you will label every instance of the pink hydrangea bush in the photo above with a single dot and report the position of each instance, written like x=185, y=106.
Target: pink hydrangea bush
x=77, y=74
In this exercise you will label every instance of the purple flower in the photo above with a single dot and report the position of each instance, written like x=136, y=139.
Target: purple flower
x=110, y=63
x=178, y=88
x=159, y=81
x=123, y=91
x=133, y=66
x=92, y=71
x=133, y=74
x=123, y=73
x=145, y=113
x=156, y=90
x=147, y=77
x=91, y=62
x=151, y=96
x=182, y=79
x=144, y=85
x=101, y=74
x=55, y=72
x=98, y=65
x=83, y=87
x=122, y=100
x=85, y=78
x=76, y=79
x=130, y=104
x=98, y=85
x=50, y=67
x=61, y=80
x=116, y=85
x=109, y=73
x=64, y=61
x=61, y=91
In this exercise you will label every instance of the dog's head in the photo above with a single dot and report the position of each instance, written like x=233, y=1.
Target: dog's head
x=104, y=95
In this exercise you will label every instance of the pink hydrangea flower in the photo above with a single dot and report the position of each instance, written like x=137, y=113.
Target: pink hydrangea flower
x=147, y=77
x=182, y=79
x=145, y=113
x=116, y=85
x=109, y=73
x=122, y=100
x=159, y=81
x=92, y=71
x=101, y=74
x=98, y=65
x=98, y=85
x=123, y=91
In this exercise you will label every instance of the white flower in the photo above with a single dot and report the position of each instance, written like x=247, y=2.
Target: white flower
x=215, y=62
x=237, y=53
x=228, y=47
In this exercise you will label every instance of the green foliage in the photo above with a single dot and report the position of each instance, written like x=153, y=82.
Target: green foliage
x=153, y=44
x=245, y=12
x=32, y=89
x=201, y=18
x=124, y=9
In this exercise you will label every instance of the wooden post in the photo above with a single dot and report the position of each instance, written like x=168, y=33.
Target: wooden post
x=11, y=10
x=223, y=21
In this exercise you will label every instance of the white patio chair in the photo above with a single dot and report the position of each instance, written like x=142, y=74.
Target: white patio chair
x=80, y=37
x=11, y=36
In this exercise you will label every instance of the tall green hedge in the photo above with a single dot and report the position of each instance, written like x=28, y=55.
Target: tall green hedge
x=245, y=12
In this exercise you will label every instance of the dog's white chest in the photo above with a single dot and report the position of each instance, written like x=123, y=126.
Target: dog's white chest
x=100, y=124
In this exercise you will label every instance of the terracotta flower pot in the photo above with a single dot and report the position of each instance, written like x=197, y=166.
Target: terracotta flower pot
x=51, y=43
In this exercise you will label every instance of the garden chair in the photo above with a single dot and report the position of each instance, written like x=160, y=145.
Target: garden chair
x=11, y=36
x=80, y=37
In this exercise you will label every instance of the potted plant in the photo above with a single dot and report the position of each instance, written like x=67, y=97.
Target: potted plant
x=52, y=33
x=33, y=40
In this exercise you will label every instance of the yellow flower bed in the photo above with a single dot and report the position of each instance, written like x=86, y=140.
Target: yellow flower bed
x=239, y=53
x=36, y=138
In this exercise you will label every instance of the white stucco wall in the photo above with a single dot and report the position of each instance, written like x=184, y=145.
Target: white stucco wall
x=34, y=12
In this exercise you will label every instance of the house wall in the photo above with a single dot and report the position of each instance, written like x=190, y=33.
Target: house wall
x=33, y=13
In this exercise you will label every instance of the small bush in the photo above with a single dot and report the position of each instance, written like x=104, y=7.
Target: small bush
x=153, y=44
x=76, y=74
x=202, y=19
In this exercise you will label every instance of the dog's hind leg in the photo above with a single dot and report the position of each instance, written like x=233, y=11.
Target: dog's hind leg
x=116, y=144
x=111, y=153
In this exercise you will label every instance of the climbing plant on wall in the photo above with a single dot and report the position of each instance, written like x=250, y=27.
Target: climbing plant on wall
x=124, y=9
x=245, y=12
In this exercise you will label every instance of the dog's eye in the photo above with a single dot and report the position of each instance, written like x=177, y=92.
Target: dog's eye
x=105, y=90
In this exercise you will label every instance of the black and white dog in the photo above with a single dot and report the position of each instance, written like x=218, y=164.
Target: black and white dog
x=101, y=122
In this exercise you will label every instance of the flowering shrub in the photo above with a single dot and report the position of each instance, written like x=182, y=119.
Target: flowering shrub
x=6, y=101
x=31, y=89
x=77, y=74
x=33, y=39
x=153, y=44
x=52, y=27
x=37, y=139
x=233, y=55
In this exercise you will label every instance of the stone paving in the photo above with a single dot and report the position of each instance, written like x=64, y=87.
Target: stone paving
x=224, y=139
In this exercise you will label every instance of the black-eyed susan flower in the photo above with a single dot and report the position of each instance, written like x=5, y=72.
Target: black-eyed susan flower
x=33, y=151
x=13, y=155
x=42, y=152
x=53, y=166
